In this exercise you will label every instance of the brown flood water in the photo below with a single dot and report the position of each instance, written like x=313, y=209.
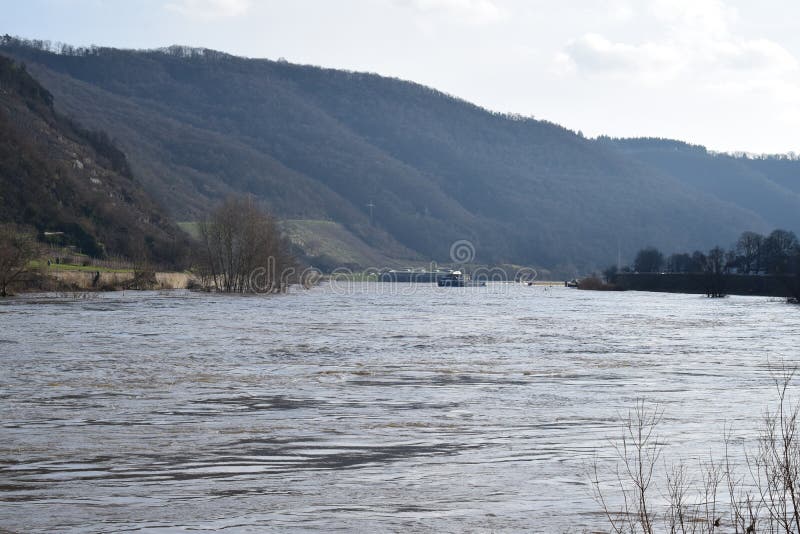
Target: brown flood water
x=365, y=407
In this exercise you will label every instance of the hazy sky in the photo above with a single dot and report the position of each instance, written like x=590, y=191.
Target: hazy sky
x=721, y=73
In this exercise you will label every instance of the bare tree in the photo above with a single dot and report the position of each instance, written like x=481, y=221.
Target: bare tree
x=17, y=249
x=748, y=247
x=714, y=269
x=243, y=250
x=778, y=249
x=715, y=261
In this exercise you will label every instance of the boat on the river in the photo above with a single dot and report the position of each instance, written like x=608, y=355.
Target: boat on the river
x=458, y=279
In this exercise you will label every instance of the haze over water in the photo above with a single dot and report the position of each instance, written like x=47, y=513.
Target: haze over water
x=360, y=407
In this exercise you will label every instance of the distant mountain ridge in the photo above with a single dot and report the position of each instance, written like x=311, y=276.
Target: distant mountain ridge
x=768, y=185
x=323, y=144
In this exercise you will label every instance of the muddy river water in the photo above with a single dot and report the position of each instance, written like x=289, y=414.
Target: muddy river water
x=360, y=407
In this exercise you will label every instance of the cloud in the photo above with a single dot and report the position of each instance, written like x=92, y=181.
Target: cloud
x=695, y=49
x=209, y=9
x=697, y=18
x=754, y=55
x=464, y=11
x=594, y=53
x=696, y=41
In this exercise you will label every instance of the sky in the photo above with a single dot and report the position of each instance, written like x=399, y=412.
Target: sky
x=724, y=74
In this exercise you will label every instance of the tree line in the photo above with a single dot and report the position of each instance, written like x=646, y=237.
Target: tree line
x=753, y=254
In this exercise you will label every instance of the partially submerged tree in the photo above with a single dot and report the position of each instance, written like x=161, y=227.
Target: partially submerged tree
x=714, y=269
x=243, y=250
x=17, y=249
x=144, y=274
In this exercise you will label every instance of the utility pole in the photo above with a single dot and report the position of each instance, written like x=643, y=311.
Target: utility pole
x=371, y=206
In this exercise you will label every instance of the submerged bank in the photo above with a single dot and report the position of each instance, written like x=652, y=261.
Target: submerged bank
x=102, y=280
x=710, y=284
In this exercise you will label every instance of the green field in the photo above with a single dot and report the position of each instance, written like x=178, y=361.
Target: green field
x=319, y=238
x=190, y=227
x=37, y=264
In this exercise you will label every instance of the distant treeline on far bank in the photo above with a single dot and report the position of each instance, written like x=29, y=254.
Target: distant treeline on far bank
x=755, y=265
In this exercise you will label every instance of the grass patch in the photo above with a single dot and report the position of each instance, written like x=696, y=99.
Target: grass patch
x=37, y=264
x=190, y=227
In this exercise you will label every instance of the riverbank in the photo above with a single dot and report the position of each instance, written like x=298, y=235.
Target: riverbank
x=49, y=279
x=710, y=284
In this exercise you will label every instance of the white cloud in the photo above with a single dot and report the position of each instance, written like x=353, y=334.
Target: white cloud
x=753, y=55
x=649, y=61
x=698, y=60
x=209, y=9
x=464, y=11
x=697, y=42
x=696, y=18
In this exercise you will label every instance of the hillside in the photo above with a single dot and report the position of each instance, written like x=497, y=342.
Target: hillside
x=321, y=144
x=59, y=177
x=768, y=186
x=327, y=245
x=780, y=169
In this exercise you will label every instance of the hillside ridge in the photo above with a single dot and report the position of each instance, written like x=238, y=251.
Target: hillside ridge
x=324, y=144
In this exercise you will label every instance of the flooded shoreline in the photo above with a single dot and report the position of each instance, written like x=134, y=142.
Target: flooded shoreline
x=355, y=408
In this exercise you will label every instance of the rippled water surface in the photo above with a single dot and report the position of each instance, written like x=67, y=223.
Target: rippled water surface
x=360, y=408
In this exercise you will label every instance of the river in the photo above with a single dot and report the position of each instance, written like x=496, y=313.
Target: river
x=360, y=407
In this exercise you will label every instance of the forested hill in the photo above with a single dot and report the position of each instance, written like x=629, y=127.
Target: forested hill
x=766, y=185
x=56, y=176
x=323, y=144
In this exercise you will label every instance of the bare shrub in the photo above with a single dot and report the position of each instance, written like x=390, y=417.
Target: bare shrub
x=17, y=248
x=766, y=498
x=637, y=451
